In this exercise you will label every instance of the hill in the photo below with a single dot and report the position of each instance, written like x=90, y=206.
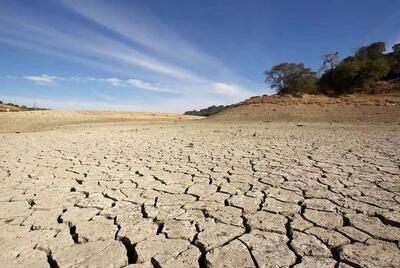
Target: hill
x=208, y=111
x=10, y=107
x=366, y=108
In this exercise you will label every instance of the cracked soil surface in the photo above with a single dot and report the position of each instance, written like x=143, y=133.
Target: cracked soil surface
x=198, y=194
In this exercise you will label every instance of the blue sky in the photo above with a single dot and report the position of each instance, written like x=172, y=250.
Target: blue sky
x=176, y=55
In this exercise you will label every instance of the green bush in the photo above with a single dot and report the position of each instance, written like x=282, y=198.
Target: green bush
x=292, y=78
x=394, y=62
x=368, y=65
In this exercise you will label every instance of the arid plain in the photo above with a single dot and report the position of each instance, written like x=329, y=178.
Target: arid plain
x=170, y=191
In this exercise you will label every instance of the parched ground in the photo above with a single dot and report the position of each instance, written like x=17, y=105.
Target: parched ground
x=201, y=194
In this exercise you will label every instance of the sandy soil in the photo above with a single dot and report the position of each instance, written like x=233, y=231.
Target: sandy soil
x=39, y=120
x=199, y=194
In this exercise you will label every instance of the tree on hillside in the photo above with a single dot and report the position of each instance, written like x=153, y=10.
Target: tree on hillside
x=396, y=48
x=368, y=65
x=394, y=61
x=371, y=51
x=291, y=78
x=329, y=62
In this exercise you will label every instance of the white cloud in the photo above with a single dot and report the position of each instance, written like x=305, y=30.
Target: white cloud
x=116, y=82
x=229, y=90
x=113, y=81
x=9, y=77
x=43, y=79
x=149, y=86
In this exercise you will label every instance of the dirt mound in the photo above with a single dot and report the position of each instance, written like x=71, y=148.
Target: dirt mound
x=365, y=108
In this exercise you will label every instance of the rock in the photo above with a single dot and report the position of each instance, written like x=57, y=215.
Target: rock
x=284, y=195
x=173, y=199
x=248, y=204
x=216, y=234
x=376, y=254
x=74, y=215
x=327, y=220
x=137, y=231
x=179, y=230
x=161, y=249
x=14, y=210
x=188, y=258
x=96, y=200
x=265, y=221
x=269, y=249
x=227, y=214
x=374, y=227
x=202, y=189
x=109, y=253
x=300, y=224
x=354, y=234
x=286, y=209
x=309, y=245
x=330, y=238
x=311, y=262
x=27, y=259
x=320, y=204
x=235, y=254
x=99, y=228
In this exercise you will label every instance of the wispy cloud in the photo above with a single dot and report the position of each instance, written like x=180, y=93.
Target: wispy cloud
x=229, y=90
x=6, y=77
x=149, y=86
x=144, y=27
x=43, y=79
x=116, y=82
x=82, y=44
x=137, y=50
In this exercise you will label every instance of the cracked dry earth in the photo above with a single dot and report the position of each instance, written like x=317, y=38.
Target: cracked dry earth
x=201, y=195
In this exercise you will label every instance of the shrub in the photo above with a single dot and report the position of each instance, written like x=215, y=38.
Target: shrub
x=368, y=65
x=292, y=78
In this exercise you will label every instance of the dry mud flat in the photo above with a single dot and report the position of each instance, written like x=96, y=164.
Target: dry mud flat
x=49, y=119
x=197, y=194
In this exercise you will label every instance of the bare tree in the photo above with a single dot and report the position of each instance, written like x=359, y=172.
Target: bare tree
x=330, y=61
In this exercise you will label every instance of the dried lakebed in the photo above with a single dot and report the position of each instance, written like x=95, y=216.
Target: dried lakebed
x=201, y=195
